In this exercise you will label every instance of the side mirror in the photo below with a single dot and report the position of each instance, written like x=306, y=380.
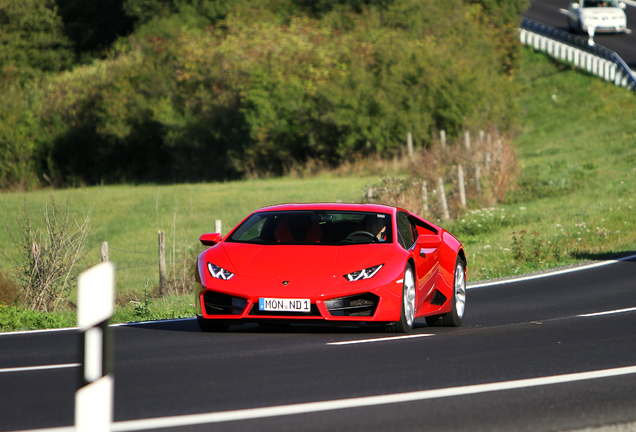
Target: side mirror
x=429, y=241
x=574, y=6
x=210, y=239
x=622, y=5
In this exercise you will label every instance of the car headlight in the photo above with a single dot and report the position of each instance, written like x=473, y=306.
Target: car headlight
x=219, y=272
x=363, y=274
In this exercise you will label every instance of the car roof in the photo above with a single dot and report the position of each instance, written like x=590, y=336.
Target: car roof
x=373, y=208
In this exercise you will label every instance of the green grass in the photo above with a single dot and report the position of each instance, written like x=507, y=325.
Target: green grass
x=577, y=152
x=129, y=217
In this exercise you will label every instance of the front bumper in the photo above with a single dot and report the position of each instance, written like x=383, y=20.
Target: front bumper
x=367, y=300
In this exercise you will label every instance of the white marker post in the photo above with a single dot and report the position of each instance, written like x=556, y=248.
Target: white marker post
x=94, y=397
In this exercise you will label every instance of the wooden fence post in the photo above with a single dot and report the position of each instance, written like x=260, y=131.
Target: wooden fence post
x=409, y=145
x=462, y=185
x=104, y=251
x=442, y=199
x=370, y=195
x=218, y=226
x=467, y=140
x=478, y=178
x=162, y=263
x=424, y=198
x=442, y=139
x=35, y=252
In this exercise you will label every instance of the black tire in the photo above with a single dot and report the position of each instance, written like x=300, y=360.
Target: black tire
x=405, y=324
x=211, y=325
x=455, y=317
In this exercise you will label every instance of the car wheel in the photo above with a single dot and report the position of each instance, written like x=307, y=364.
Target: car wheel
x=407, y=317
x=455, y=317
x=207, y=325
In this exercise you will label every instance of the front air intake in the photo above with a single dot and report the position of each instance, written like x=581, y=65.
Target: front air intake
x=223, y=304
x=314, y=312
x=363, y=305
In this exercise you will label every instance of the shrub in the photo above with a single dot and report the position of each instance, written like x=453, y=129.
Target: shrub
x=497, y=164
x=9, y=291
x=47, y=256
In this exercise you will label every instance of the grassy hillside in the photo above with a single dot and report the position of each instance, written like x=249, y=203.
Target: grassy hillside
x=574, y=201
x=129, y=217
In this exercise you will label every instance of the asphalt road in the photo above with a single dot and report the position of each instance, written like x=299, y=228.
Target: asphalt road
x=547, y=12
x=516, y=331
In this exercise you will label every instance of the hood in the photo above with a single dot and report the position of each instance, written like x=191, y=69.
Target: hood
x=296, y=262
x=609, y=12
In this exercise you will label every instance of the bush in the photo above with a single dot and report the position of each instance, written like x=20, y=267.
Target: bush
x=497, y=163
x=218, y=90
x=9, y=291
x=47, y=256
x=13, y=318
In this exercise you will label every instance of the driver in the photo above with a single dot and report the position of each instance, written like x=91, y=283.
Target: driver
x=376, y=227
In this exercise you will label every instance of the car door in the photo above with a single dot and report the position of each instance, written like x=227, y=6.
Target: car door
x=426, y=261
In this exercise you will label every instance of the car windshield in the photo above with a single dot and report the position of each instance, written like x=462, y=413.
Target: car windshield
x=314, y=228
x=599, y=3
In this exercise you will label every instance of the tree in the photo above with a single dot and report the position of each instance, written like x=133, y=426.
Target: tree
x=31, y=40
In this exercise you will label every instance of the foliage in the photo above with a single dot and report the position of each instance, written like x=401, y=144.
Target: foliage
x=93, y=29
x=147, y=308
x=494, y=159
x=32, y=40
x=504, y=17
x=46, y=257
x=9, y=290
x=208, y=90
x=13, y=318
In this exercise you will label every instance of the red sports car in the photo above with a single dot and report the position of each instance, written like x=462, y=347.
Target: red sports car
x=332, y=263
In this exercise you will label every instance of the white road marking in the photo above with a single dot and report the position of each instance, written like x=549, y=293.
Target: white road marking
x=312, y=407
x=111, y=325
x=34, y=368
x=608, y=312
x=378, y=339
x=554, y=273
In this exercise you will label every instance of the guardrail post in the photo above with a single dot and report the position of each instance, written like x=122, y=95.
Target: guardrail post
x=94, y=397
x=218, y=226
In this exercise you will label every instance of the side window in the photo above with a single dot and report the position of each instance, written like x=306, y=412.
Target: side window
x=405, y=231
x=413, y=229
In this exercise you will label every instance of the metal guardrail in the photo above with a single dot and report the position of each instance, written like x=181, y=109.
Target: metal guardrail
x=567, y=47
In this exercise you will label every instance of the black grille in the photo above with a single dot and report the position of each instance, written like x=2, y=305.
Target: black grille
x=223, y=304
x=438, y=298
x=314, y=312
x=356, y=305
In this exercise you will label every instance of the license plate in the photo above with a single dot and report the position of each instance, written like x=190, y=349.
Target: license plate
x=284, y=305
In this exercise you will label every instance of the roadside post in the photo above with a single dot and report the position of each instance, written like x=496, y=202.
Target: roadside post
x=94, y=396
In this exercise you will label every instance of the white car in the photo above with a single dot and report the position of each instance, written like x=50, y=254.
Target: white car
x=599, y=16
